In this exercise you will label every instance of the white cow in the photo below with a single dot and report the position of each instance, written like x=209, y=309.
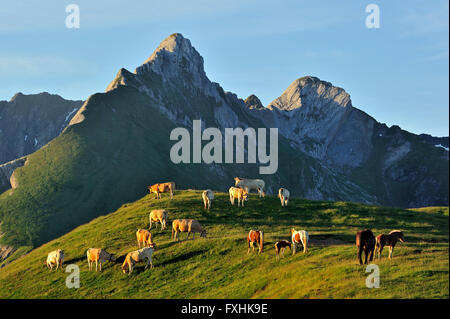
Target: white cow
x=207, y=196
x=158, y=215
x=283, y=195
x=300, y=236
x=137, y=256
x=251, y=184
x=55, y=257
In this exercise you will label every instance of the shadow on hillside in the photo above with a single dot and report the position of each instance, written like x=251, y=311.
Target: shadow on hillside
x=182, y=257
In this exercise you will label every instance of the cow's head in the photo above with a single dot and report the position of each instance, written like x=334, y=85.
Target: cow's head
x=236, y=181
x=152, y=245
x=245, y=195
x=124, y=268
x=401, y=237
x=203, y=233
x=292, y=230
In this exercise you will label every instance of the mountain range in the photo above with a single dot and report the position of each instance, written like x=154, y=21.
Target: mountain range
x=118, y=143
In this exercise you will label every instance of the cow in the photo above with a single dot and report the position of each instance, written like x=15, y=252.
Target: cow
x=145, y=237
x=283, y=195
x=187, y=225
x=158, y=215
x=297, y=237
x=251, y=184
x=99, y=256
x=239, y=193
x=390, y=240
x=137, y=256
x=280, y=246
x=255, y=236
x=365, y=241
x=55, y=257
x=207, y=196
x=159, y=188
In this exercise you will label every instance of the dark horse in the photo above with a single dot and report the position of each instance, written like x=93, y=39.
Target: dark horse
x=365, y=241
x=388, y=240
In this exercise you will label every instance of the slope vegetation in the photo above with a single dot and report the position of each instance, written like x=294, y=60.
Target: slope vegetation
x=219, y=266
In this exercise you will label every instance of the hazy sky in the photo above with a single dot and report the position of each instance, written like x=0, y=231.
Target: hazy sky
x=398, y=73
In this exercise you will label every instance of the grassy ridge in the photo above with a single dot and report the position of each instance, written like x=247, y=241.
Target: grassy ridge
x=219, y=267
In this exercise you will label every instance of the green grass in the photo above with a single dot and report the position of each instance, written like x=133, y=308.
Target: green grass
x=219, y=266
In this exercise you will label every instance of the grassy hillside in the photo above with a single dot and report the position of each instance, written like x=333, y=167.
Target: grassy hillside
x=219, y=267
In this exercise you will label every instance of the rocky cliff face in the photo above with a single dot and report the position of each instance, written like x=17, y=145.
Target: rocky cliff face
x=27, y=122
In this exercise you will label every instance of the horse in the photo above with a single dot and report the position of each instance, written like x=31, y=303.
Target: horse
x=297, y=237
x=388, y=240
x=365, y=241
x=255, y=236
x=280, y=246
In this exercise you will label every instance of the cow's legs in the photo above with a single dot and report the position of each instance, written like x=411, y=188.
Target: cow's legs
x=100, y=266
x=188, y=235
x=96, y=264
x=294, y=249
x=371, y=254
x=286, y=201
x=150, y=224
x=391, y=250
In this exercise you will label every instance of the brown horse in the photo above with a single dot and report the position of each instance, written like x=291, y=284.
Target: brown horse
x=388, y=240
x=365, y=241
x=255, y=236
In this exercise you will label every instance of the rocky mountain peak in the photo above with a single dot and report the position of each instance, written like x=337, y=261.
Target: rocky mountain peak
x=253, y=102
x=174, y=57
x=311, y=92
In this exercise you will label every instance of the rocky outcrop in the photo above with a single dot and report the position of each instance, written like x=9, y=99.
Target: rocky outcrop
x=27, y=122
x=253, y=102
x=6, y=172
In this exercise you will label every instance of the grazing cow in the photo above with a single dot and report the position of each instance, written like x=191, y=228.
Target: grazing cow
x=99, y=256
x=239, y=193
x=283, y=195
x=207, y=196
x=280, y=246
x=255, y=236
x=55, y=257
x=159, y=188
x=390, y=240
x=251, y=184
x=187, y=225
x=365, y=241
x=145, y=237
x=137, y=256
x=297, y=237
x=158, y=215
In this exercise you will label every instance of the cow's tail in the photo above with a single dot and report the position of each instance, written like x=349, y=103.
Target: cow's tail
x=261, y=240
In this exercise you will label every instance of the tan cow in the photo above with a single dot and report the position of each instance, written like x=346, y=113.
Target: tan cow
x=55, y=257
x=145, y=237
x=239, y=193
x=158, y=215
x=159, y=188
x=251, y=184
x=187, y=225
x=283, y=195
x=137, y=256
x=207, y=196
x=99, y=256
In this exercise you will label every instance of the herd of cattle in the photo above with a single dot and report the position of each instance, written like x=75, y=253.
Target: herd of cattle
x=365, y=240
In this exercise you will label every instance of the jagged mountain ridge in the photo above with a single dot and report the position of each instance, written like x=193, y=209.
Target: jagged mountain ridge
x=118, y=143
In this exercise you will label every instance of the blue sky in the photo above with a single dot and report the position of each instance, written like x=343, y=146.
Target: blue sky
x=398, y=73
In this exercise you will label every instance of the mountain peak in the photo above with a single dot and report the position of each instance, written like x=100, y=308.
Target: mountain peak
x=173, y=57
x=253, y=102
x=310, y=91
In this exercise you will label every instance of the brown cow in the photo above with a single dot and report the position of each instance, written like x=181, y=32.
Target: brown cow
x=365, y=241
x=159, y=188
x=99, y=256
x=145, y=237
x=187, y=225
